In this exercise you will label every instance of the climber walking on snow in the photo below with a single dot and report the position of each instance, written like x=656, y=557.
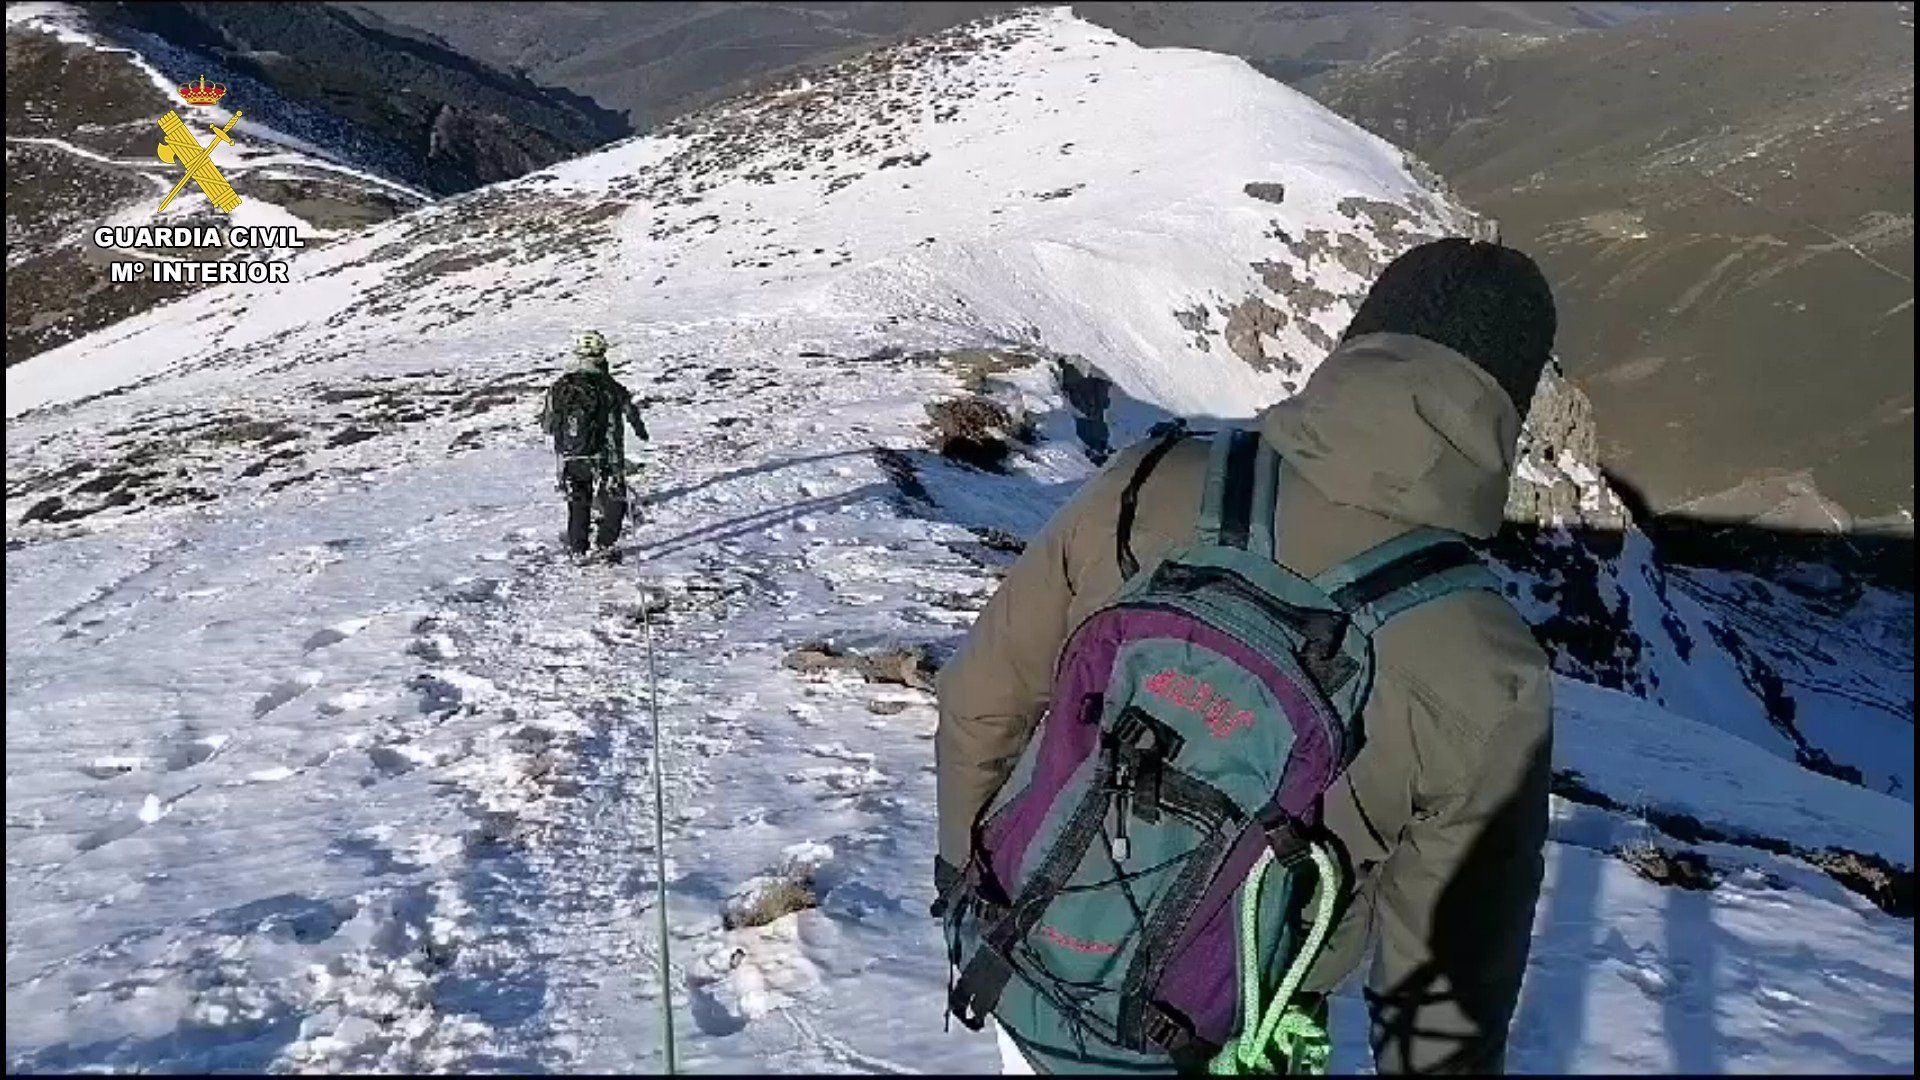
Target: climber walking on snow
x=586, y=412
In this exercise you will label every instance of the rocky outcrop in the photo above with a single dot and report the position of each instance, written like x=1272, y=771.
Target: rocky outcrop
x=978, y=431
x=1300, y=293
x=465, y=146
x=1557, y=480
x=1273, y=193
x=1251, y=325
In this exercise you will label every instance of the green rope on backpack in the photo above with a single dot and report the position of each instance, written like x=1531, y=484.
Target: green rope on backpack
x=1298, y=1034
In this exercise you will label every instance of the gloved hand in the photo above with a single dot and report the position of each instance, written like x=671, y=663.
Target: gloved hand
x=946, y=879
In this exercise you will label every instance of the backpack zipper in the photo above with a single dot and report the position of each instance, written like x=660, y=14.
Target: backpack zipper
x=1209, y=810
x=1123, y=781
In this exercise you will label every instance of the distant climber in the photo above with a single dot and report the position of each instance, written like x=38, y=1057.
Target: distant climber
x=587, y=412
x=1083, y=919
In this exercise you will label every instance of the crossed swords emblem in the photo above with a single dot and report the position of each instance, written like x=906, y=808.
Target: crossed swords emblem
x=197, y=161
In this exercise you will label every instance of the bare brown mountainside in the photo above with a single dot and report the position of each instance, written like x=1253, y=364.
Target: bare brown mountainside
x=656, y=60
x=82, y=103
x=1722, y=192
x=1725, y=203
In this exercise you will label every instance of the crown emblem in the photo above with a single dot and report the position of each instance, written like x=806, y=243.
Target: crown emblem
x=203, y=92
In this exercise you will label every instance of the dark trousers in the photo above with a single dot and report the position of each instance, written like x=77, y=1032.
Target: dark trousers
x=1088, y=396
x=589, y=485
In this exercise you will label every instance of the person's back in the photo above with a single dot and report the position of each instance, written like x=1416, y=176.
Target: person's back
x=586, y=411
x=1442, y=815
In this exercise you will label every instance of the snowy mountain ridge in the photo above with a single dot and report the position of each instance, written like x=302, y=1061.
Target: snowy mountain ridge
x=318, y=757
x=760, y=180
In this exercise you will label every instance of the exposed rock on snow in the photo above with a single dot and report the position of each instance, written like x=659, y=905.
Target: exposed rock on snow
x=1557, y=482
x=1273, y=193
x=1679, y=869
x=978, y=431
x=791, y=888
x=901, y=667
x=1250, y=323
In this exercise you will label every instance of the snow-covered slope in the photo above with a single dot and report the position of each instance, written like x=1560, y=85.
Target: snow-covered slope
x=959, y=189
x=318, y=757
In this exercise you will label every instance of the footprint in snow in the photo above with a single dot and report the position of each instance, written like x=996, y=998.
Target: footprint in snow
x=188, y=750
x=151, y=810
x=840, y=752
x=449, y=691
x=747, y=974
x=844, y=782
x=345, y=701
x=1650, y=980
x=293, y=917
x=391, y=761
x=1775, y=998
x=710, y=1014
x=106, y=768
x=284, y=691
x=335, y=634
x=479, y=590
x=272, y=775
x=857, y=902
x=435, y=647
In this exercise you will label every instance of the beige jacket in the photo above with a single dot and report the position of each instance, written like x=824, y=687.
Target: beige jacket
x=1443, y=815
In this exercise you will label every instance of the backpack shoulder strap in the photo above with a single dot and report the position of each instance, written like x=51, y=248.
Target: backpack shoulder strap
x=1242, y=489
x=1168, y=434
x=1411, y=569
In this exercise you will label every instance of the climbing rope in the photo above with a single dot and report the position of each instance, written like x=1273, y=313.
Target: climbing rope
x=1299, y=1035
x=659, y=831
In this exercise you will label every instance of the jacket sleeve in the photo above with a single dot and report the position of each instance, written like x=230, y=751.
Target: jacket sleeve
x=993, y=692
x=633, y=419
x=1453, y=904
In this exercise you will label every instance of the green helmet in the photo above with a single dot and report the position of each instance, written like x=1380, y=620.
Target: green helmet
x=589, y=344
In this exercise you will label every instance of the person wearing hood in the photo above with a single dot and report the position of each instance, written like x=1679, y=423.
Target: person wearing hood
x=1411, y=422
x=587, y=411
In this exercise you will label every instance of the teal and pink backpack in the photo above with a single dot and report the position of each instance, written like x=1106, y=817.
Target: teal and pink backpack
x=1138, y=894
